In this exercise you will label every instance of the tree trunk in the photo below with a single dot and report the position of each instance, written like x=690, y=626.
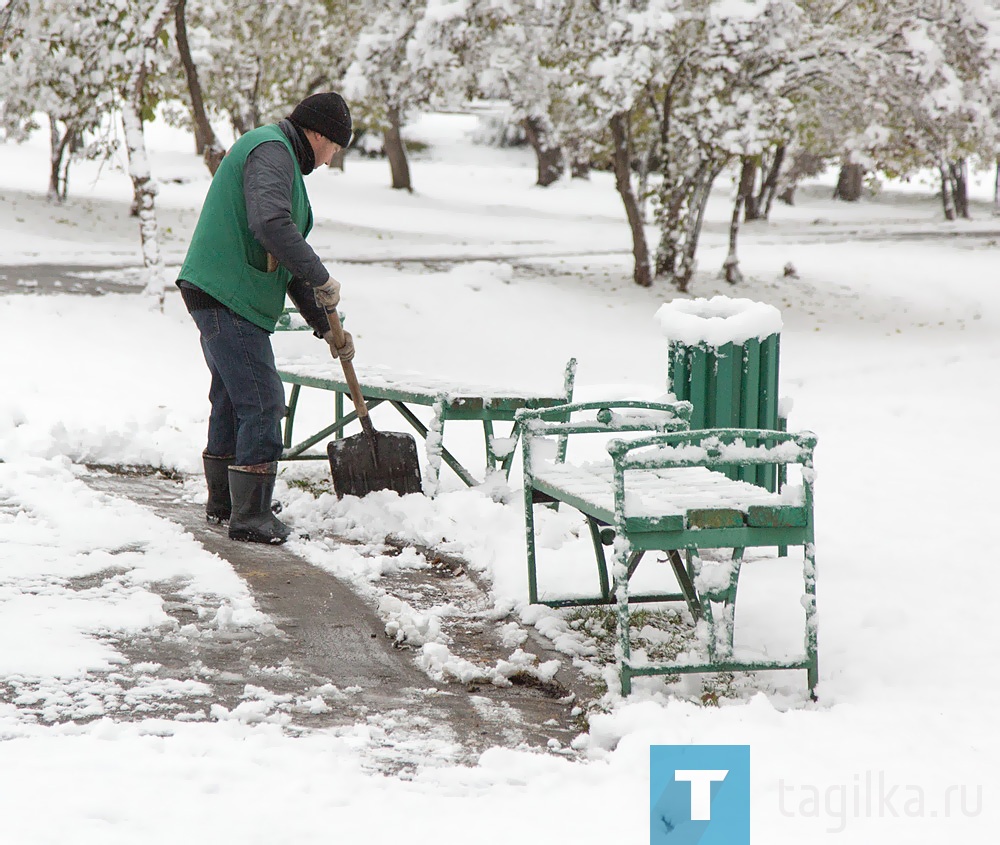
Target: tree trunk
x=64, y=176
x=206, y=143
x=960, y=183
x=996, y=189
x=396, y=153
x=745, y=195
x=241, y=121
x=58, y=161
x=549, y=156
x=647, y=164
x=337, y=162
x=947, y=191
x=621, y=156
x=744, y=198
x=680, y=215
x=850, y=182
x=731, y=266
x=144, y=188
x=803, y=164
x=770, y=185
x=143, y=185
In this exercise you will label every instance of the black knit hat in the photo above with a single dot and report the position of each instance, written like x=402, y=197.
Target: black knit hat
x=327, y=114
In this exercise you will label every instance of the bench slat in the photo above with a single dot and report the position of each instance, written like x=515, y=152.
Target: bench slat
x=776, y=516
x=670, y=522
x=715, y=518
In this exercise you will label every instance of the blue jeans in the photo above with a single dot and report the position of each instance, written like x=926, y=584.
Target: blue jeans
x=248, y=399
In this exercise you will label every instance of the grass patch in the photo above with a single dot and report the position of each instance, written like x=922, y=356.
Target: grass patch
x=662, y=634
x=137, y=471
x=311, y=486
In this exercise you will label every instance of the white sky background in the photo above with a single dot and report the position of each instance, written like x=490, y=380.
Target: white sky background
x=890, y=354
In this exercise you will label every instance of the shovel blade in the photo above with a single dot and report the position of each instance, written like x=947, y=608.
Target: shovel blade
x=364, y=463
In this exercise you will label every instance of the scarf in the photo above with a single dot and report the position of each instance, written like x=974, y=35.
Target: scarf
x=300, y=143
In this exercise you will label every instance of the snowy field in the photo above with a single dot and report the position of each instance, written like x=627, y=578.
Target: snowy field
x=890, y=353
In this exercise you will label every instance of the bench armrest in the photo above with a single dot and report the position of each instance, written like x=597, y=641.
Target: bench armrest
x=608, y=417
x=714, y=447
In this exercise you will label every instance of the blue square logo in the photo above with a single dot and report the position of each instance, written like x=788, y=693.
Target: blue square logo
x=699, y=795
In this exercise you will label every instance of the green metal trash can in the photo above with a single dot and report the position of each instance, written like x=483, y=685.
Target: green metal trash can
x=723, y=359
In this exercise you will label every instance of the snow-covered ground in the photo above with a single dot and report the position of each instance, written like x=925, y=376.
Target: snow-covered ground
x=890, y=353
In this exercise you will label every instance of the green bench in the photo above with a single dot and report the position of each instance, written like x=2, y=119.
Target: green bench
x=405, y=391
x=668, y=489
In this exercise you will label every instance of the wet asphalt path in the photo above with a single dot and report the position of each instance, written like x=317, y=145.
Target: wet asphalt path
x=327, y=636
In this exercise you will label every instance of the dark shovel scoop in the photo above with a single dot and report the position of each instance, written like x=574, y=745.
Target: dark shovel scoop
x=373, y=461
x=364, y=463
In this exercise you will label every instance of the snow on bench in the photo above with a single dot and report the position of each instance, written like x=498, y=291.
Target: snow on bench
x=449, y=399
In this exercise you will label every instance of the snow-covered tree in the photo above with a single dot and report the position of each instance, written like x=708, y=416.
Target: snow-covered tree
x=409, y=55
x=522, y=54
x=907, y=85
x=380, y=82
x=692, y=84
x=77, y=61
x=942, y=96
x=53, y=63
x=256, y=60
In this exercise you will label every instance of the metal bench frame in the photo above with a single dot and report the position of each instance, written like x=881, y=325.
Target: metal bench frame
x=688, y=533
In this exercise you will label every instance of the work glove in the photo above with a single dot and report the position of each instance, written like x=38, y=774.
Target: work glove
x=328, y=295
x=345, y=352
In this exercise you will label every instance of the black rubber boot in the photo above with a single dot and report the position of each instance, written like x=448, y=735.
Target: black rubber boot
x=252, y=520
x=219, y=506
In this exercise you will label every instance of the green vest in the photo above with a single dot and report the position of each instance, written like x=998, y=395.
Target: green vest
x=224, y=258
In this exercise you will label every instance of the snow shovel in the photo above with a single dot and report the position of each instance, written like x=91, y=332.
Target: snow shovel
x=374, y=460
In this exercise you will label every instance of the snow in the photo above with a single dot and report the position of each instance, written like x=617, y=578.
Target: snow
x=890, y=346
x=656, y=492
x=717, y=321
x=377, y=377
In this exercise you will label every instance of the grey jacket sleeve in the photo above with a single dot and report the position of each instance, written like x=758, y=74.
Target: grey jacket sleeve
x=267, y=190
x=301, y=294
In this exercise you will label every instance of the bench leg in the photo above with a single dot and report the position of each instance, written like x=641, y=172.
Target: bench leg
x=602, y=563
x=293, y=401
x=622, y=558
x=491, y=458
x=718, y=605
x=685, y=583
x=812, y=650
x=529, y=539
x=434, y=445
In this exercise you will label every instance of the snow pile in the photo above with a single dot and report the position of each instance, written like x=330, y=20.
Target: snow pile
x=437, y=660
x=80, y=571
x=717, y=321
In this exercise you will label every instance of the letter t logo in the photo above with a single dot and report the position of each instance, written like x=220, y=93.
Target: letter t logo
x=701, y=781
x=699, y=795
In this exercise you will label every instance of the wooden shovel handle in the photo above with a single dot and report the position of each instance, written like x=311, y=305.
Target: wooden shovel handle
x=349, y=375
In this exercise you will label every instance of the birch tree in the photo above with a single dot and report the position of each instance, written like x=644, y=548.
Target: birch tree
x=136, y=32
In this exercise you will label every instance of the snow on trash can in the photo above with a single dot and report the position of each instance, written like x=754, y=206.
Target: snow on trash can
x=724, y=361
